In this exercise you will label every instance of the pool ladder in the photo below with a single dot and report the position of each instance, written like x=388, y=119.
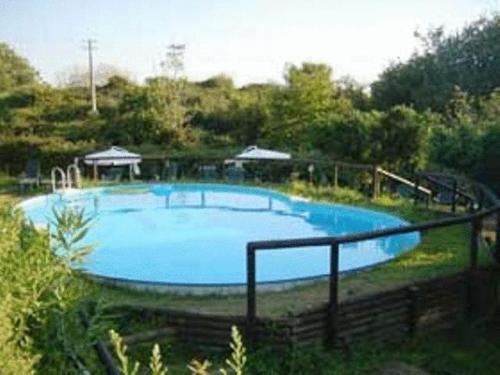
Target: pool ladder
x=66, y=180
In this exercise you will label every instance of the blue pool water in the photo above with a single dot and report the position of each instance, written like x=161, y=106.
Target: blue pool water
x=197, y=233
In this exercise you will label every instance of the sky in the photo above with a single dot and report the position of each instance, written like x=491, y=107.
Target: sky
x=249, y=40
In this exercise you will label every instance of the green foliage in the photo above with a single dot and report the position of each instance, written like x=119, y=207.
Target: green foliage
x=489, y=168
x=50, y=151
x=121, y=354
x=14, y=70
x=71, y=227
x=374, y=137
x=40, y=297
x=238, y=354
x=468, y=59
x=236, y=363
x=156, y=365
x=338, y=194
x=345, y=137
x=459, y=147
x=307, y=98
x=399, y=139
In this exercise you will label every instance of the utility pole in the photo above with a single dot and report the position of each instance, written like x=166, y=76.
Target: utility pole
x=90, y=48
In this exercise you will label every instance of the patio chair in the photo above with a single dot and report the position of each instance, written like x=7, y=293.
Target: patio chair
x=444, y=196
x=234, y=174
x=31, y=176
x=170, y=171
x=113, y=175
x=208, y=172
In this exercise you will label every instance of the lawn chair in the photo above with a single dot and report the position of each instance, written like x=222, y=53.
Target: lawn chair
x=114, y=174
x=31, y=176
x=208, y=172
x=170, y=171
x=234, y=174
x=444, y=196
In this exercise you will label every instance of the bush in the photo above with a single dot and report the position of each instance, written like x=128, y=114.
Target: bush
x=40, y=294
x=50, y=151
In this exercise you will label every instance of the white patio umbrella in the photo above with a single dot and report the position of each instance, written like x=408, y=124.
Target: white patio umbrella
x=256, y=153
x=114, y=156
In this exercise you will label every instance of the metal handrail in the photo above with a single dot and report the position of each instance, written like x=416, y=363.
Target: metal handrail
x=364, y=236
x=78, y=180
x=404, y=181
x=53, y=176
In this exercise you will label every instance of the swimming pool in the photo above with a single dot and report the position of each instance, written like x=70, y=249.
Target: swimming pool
x=196, y=234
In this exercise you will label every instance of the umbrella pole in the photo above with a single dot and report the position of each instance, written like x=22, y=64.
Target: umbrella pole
x=95, y=171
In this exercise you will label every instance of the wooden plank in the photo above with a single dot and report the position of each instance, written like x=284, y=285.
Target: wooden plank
x=147, y=336
x=375, y=310
x=175, y=313
x=441, y=301
x=312, y=318
x=380, y=325
x=320, y=325
x=312, y=311
x=375, y=300
x=395, y=335
x=401, y=313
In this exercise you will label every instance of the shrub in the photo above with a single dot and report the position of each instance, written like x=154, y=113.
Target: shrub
x=40, y=294
x=235, y=364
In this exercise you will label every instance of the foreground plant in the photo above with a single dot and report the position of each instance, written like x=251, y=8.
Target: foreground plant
x=39, y=328
x=236, y=363
x=71, y=227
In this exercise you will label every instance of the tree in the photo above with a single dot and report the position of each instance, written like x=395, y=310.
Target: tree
x=354, y=92
x=171, y=90
x=458, y=109
x=489, y=166
x=221, y=81
x=468, y=59
x=458, y=147
x=345, y=137
x=306, y=98
x=78, y=76
x=14, y=70
x=399, y=139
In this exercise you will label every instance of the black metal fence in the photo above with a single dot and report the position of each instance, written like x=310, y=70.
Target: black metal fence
x=474, y=219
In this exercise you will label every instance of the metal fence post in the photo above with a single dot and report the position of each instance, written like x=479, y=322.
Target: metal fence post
x=474, y=242
x=415, y=192
x=474, y=247
x=481, y=200
x=454, y=196
x=251, y=306
x=413, y=310
x=335, y=175
x=376, y=182
x=497, y=238
x=333, y=301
